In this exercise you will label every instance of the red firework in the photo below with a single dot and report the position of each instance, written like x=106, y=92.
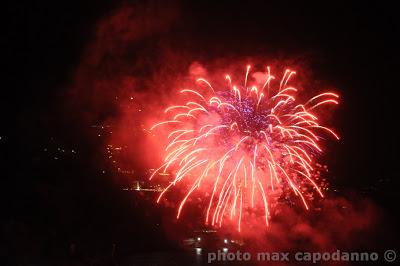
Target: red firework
x=243, y=145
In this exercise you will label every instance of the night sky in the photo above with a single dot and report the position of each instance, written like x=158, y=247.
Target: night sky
x=50, y=203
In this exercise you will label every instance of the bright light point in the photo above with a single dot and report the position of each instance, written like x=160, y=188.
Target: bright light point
x=198, y=251
x=198, y=239
x=226, y=241
x=225, y=249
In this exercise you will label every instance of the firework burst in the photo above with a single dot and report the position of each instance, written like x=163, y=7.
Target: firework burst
x=243, y=145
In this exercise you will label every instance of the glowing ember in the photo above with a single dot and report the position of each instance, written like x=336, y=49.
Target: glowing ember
x=243, y=146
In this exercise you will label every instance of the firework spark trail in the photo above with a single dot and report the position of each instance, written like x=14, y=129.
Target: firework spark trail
x=245, y=143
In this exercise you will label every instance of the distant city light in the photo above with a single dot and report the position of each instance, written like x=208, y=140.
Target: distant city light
x=198, y=251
